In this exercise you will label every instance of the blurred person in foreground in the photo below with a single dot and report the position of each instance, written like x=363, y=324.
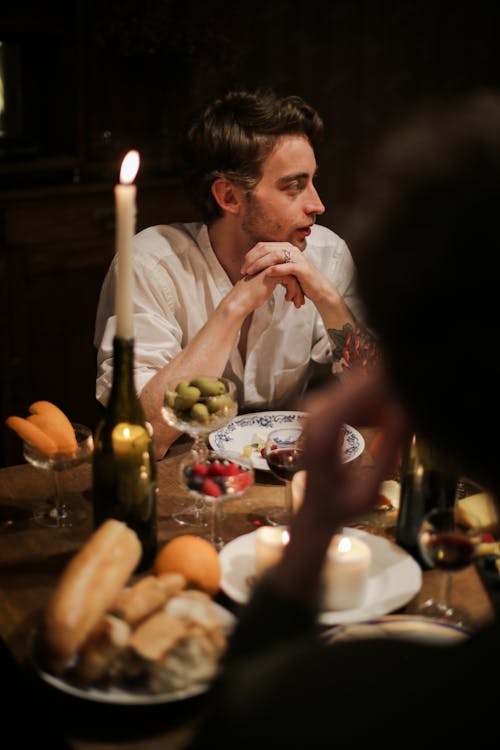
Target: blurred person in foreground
x=426, y=235
x=257, y=291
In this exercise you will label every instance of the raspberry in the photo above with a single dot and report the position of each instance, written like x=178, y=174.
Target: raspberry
x=217, y=469
x=231, y=469
x=201, y=470
x=210, y=488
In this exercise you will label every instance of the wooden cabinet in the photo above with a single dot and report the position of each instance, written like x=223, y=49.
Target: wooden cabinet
x=55, y=247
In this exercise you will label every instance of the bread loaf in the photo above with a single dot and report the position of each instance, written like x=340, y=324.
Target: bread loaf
x=87, y=587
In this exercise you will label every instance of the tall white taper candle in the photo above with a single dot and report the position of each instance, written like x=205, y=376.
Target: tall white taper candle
x=125, y=195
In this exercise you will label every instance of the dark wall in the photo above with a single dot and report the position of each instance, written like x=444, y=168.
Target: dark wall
x=364, y=64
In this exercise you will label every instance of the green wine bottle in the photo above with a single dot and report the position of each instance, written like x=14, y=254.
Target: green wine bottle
x=428, y=481
x=124, y=461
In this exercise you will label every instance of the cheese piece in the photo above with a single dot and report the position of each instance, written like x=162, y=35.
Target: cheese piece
x=388, y=494
x=478, y=511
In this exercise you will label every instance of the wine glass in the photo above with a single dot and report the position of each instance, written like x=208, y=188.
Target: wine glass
x=284, y=453
x=220, y=476
x=198, y=405
x=58, y=514
x=449, y=546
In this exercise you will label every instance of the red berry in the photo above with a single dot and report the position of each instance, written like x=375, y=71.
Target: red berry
x=243, y=480
x=200, y=469
x=217, y=469
x=210, y=488
x=232, y=469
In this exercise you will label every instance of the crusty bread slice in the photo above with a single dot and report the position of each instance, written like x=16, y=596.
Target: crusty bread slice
x=104, y=643
x=156, y=636
x=139, y=601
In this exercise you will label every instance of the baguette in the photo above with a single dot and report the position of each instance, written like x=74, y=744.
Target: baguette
x=87, y=587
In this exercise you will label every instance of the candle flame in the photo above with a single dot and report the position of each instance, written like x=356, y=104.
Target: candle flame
x=129, y=168
x=126, y=433
x=285, y=537
x=344, y=544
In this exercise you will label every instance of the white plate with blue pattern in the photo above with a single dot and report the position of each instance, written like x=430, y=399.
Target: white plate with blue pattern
x=252, y=430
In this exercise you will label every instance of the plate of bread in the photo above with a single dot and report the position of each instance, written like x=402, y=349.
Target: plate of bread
x=106, y=635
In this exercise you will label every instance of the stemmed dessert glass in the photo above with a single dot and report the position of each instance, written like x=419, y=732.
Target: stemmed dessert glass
x=449, y=546
x=284, y=456
x=198, y=405
x=220, y=477
x=58, y=514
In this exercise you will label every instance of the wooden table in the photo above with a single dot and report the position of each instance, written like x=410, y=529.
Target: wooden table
x=32, y=558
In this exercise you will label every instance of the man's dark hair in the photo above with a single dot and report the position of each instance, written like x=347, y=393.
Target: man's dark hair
x=234, y=134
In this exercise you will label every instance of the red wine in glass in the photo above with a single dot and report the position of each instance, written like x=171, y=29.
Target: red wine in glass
x=285, y=463
x=450, y=551
x=284, y=456
x=446, y=545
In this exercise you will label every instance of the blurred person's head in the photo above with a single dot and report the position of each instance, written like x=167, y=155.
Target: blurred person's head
x=233, y=136
x=426, y=240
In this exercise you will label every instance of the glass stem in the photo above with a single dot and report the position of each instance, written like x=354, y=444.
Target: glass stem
x=199, y=448
x=214, y=510
x=446, y=589
x=59, y=507
x=288, y=499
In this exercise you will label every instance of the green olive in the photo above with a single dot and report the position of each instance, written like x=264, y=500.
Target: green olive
x=220, y=403
x=181, y=386
x=200, y=413
x=170, y=398
x=186, y=398
x=209, y=386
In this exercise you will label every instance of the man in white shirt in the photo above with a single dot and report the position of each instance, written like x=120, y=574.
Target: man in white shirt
x=257, y=292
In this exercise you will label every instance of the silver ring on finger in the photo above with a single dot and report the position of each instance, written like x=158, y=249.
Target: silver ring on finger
x=287, y=255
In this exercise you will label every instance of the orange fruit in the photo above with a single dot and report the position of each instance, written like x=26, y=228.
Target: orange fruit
x=195, y=558
x=32, y=434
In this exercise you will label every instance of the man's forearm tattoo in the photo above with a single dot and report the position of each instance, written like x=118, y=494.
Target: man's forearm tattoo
x=353, y=346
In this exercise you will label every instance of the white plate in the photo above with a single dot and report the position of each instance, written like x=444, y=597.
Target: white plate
x=118, y=695
x=394, y=577
x=242, y=430
x=403, y=627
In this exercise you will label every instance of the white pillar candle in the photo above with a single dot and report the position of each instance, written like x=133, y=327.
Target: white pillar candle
x=345, y=573
x=125, y=195
x=270, y=541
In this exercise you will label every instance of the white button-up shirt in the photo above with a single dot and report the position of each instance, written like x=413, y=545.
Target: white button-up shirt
x=178, y=284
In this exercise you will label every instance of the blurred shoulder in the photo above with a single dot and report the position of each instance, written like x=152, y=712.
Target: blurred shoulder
x=163, y=240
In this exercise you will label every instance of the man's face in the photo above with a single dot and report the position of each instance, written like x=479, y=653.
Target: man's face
x=284, y=204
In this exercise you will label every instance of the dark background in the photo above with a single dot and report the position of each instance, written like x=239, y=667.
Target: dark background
x=85, y=80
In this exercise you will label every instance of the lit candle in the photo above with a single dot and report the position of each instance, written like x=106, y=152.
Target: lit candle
x=125, y=194
x=129, y=440
x=270, y=541
x=345, y=573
